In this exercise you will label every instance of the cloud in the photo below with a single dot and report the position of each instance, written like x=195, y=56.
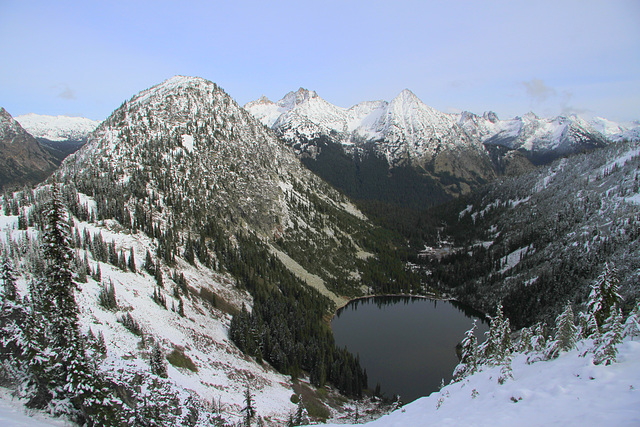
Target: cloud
x=567, y=109
x=538, y=91
x=65, y=92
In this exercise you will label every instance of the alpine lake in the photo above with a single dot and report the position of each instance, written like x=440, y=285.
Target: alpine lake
x=406, y=344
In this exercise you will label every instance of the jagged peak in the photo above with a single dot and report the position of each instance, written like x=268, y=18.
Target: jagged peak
x=292, y=99
x=468, y=115
x=491, y=116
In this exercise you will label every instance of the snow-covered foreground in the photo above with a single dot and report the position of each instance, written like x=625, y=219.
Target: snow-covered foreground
x=13, y=414
x=569, y=390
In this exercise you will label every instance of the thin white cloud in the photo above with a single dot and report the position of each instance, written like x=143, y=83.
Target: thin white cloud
x=538, y=91
x=67, y=93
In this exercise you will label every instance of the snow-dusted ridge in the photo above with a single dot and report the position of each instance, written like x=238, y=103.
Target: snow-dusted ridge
x=405, y=126
x=57, y=128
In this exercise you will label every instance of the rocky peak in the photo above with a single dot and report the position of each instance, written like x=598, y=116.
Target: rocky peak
x=491, y=116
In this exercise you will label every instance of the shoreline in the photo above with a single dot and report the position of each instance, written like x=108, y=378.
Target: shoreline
x=481, y=314
x=347, y=301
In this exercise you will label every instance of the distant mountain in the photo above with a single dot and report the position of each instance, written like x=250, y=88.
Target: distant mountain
x=401, y=151
x=22, y=159
x=408, y=153
x=616, y=131
x=60, y=135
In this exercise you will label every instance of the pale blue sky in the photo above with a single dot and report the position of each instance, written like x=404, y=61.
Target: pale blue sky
x=553, y=57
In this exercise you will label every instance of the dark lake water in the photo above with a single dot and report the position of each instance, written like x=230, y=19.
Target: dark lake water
x=408, y=345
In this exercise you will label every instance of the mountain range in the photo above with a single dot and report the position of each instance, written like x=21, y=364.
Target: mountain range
x=405, y=152
x=228, y=253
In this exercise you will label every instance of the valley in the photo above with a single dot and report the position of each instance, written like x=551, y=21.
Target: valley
x=208, y=243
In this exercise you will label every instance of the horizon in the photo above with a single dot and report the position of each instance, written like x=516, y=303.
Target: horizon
x=84, y=60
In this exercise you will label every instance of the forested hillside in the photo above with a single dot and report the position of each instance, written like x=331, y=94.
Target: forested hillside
x=537, y=240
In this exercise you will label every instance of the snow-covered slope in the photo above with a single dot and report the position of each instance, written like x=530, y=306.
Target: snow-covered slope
x=570, y=390
x=404, y=134
x=404, y=127
x=57, y=128
x=407, y=127
x=561, y=135
x=616, y=131
x=221, y=371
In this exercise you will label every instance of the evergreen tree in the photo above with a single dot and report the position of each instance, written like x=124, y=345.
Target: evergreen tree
x=181, y=307
x=301, y=416
x=132, y=261
x=158, y=366
x=148, y=263
x=59, y=301
x=604, y=295
x=605, y=346
x=497, y=346
x=469, y=355
x=632, y=325
x=8, y=281
x=566, y=334
x=249, y=410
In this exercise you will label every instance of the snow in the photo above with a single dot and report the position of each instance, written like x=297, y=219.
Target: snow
x=14, y=414
x=57, y=128
x=569, y=390
x=223, y=371
x=187, y=143
x=511, y=260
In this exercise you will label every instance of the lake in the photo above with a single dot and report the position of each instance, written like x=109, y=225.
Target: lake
x=406, y=344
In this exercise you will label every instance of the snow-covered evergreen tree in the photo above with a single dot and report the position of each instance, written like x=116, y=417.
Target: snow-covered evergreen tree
x=566, y=334
x=606, y=345
x=498, y=343
x=469, y=355
x=249, y=411
x=604, y=294
x=631, y=327
x=301, y=417
x=158, y=366
x=8, y=281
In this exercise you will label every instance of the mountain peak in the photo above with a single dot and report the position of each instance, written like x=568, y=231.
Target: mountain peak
x=406, y=96
x=292, y=99
x=491, y=116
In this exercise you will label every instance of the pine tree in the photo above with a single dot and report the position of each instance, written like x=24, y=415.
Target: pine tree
x=249, y=410
x=604, y=295
x=566, y=334
x=158, y=366
x=469, y=355
x=8, y=281
x=605, y=346
x=132, y=261
x=301, y=416
x=59, y=301
x=498, y=343
x=632, y=325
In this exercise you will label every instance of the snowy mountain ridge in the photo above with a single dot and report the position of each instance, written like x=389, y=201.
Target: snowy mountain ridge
x=407, y=126
x=57, y=128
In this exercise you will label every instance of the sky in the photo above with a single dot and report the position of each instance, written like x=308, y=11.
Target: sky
x=84, y=58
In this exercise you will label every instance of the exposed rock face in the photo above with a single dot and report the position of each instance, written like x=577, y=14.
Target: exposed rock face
x=22, y=159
